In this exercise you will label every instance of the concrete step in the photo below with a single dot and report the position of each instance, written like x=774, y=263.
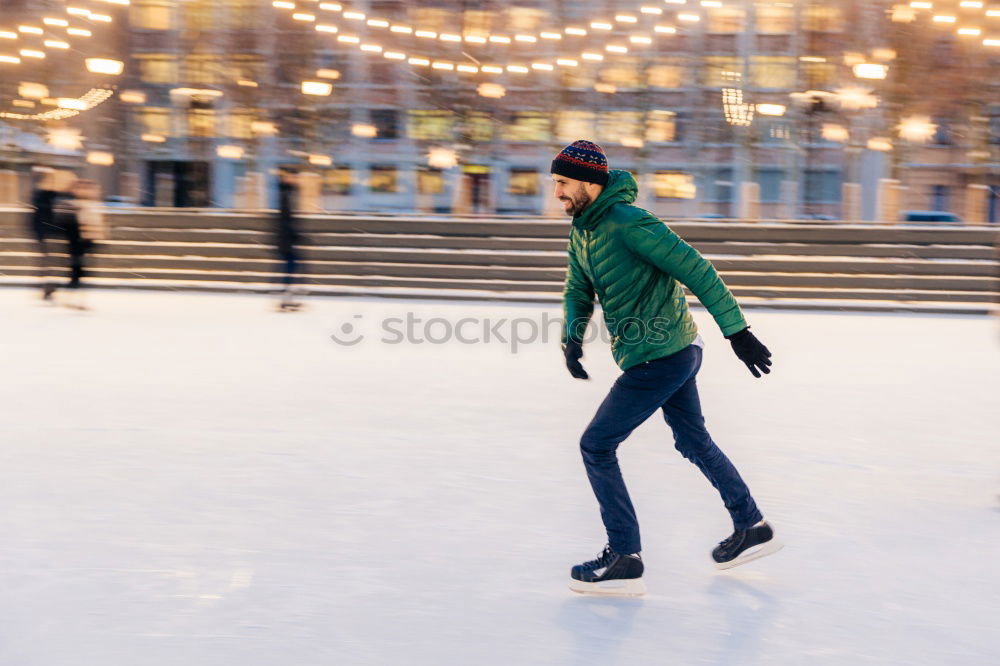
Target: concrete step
x=350, y=239
x=558, y=228
x=145, y=253
x=733, y=273
x=238, y=269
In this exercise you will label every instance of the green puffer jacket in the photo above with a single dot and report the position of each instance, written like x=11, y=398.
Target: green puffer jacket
x=635, y=265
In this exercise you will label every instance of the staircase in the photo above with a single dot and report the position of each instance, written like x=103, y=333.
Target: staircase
x=791, y=265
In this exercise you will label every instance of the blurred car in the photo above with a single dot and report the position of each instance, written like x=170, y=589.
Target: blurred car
x=116, y=201
x=931, y=216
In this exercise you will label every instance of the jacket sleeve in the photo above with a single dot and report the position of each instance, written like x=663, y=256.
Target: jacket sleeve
x=655, y=243
x=578, y=299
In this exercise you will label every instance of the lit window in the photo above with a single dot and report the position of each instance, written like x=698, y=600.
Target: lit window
x=157, y=68
x=152, y=15
x=155, y=120
x=430, y=181
x=674, y=185
x=430, y=125
x=772, y=72
x=624, y=73
x=199, y=15
x=201, y=122
x=338, y=180
x=661, y=126
x=725, y=20
x=776, y=19
x=523, y=182
x=201, y=69
x=819, y=75
x=721, y=71
x=614, y=126
x=668, y=73
x=242, y=14
x=822, y=18
x=528, y=126
x=238, y=124
x=573, y=125
x=576, y=77
x=384, y=179
x=479, y=127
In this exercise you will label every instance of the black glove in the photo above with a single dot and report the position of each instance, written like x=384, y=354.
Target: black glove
x=751, y=351
x=574, y=351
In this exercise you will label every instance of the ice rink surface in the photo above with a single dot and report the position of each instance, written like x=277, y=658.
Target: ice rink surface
x=197, y=479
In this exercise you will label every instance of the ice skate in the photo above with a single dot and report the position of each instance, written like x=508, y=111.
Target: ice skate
x=289, y=301
x=744, y=546
x=609, y=574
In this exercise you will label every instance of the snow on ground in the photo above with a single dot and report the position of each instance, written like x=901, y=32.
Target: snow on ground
x=192, y=478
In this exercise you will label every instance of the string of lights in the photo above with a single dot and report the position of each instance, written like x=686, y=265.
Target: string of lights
x=482, y=37
x=959, y=15
x=67, y=107
x=33, y=40
x=621, y=20
x=466, y=66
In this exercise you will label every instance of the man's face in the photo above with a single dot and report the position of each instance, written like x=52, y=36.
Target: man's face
x=575, y=195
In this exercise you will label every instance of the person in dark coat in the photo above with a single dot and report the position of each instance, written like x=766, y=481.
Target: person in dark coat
x=42, y=226
x=287, y=237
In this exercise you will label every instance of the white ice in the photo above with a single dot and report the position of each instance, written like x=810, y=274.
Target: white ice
x=198, y=479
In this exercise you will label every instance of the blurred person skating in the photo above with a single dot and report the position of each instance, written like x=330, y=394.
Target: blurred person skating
x=44, y=228
x=635, y=265
x=286, y=238
x=82, y=220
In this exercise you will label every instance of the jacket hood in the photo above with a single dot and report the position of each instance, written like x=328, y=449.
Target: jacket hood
x=621, y=188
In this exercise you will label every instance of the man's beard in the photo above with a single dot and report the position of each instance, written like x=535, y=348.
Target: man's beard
x=577, y=203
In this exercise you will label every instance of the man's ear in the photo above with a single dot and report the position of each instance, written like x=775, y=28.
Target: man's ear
x=594, y=190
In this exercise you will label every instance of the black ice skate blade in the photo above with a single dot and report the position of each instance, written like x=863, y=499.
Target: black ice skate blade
x=622, y=587
x=751, y=554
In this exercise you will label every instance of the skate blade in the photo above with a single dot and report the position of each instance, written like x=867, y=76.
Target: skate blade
x=751, y=554
x=630, y=587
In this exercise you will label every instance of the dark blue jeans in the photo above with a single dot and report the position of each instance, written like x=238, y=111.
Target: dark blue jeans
x=669, y=384
x=290, y=259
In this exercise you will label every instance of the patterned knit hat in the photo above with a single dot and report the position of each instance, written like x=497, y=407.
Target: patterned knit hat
x=582, y=160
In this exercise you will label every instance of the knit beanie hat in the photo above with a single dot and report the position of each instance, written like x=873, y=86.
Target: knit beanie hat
x=582, y=160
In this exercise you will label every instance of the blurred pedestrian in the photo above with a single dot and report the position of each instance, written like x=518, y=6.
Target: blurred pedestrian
x=286, y=238
x=82, y=220
x=43, y=227
x=635, y=265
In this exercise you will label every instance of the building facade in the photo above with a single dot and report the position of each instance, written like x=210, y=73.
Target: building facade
x=720, y=108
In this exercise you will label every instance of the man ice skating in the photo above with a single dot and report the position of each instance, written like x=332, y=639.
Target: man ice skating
x=635, y=265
